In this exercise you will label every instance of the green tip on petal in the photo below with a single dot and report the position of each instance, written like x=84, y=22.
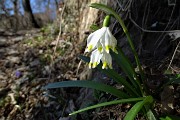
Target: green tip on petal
x=107, y=48
x=90, y=47
x=100, y=49
x=114, y=50
x=104, y=65
x=110, y=66
x=95, y=64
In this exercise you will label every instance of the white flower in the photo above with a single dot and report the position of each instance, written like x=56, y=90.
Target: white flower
x=106, y=60
x=95, y=59
x=101, y=39
x=96, y=56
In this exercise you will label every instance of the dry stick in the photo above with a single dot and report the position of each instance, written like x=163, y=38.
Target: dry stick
x=77, y=71
x=163, y=36
x=173, y=56
x=144, y=16
x=150, y=31
x=60, y=31
x=164, y=29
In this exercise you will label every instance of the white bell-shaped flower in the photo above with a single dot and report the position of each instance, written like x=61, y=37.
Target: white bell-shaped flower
x=106, y=60
x=101, y=39
x=95, y=58
x=98, y=56
x=94, y=38
x=112, y=42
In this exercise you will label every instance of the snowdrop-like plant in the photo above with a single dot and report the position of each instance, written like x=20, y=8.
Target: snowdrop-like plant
x=100, y=42
x=135, y=90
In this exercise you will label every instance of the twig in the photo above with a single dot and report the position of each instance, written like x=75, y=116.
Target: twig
x=165, y=28
x=60, y=31
x=150, y=31
x=173, y=56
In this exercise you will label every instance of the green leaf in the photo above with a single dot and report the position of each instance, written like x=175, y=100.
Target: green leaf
x=170, y=117
x=115, y=76
x=150, y=115
x=94, y=27
x=176, y=79
x=126, y=66
x=108, y=103
x=88, y=84
x=137, y=107
x=84, y=58
x=121, y=80
x=172, y=80
x=167, y=118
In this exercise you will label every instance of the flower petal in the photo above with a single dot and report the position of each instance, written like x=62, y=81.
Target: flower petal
x=93, y=39
x=106, y=60
x=113, y=40
x=95, y=58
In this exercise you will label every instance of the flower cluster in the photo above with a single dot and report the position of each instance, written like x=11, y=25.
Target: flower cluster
x=100, y=42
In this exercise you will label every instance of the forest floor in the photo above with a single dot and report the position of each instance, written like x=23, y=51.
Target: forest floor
x=28, y=62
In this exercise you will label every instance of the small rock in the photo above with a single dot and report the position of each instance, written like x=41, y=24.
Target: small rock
x=40, y=51
x=3, y=42
x=71, y=107
x=12, y=52
x=65, y=118
x=8, y=33
x=53, y=43
x=2, y=51
x=167, y=99
x=47, y=70
x=2, y=76
x=23, y=68
x=22, y=80
x=35, y=63
x=3, y=83
x=13, y=59
x=17, y=39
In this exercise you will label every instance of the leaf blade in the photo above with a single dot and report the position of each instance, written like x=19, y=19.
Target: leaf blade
x=115, y=76
x=108, y=103
x=137, y=107
x=88, y=84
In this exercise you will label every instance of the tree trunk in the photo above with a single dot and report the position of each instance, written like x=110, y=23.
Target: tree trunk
x=16, y=25
x=29, y=14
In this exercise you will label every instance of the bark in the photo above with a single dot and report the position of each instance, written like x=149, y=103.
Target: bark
x=15, y=2
x=29, y=14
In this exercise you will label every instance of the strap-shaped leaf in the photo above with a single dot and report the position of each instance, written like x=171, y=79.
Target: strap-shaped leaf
x=115, y=76
x=137, y=107
x=108, y=103
x=88, y=84
x=150, y=115
x=170, y=117
x=126, y=66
